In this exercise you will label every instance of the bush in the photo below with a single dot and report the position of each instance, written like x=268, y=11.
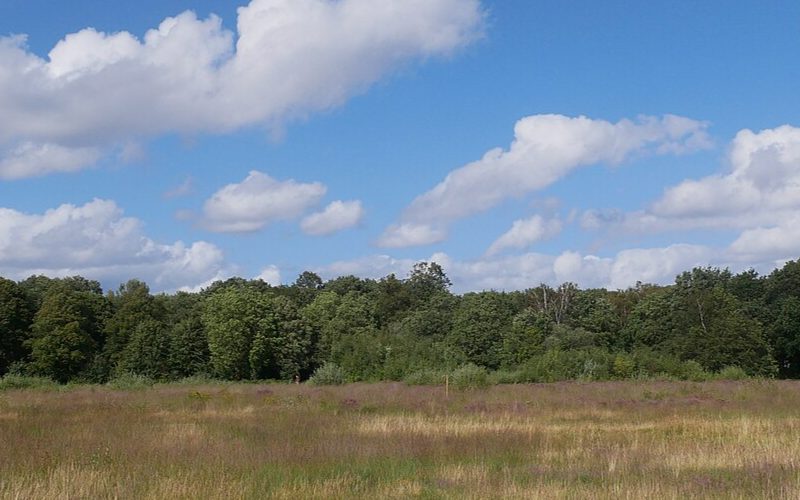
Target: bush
x=328, y=374
x=693, y=371
x=650, y=363
x=507, y=377
x=427, y=376
x=11, y=381
x=731, y=373
x=199, y=379
x=470, y=376
x=130, y=382
x=624, y=366
x=555, y=365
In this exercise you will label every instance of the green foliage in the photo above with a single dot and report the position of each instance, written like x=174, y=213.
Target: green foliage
x=147, y=353
x=692, y=370
x=132, y=306
x=10, y=382
x=360, y=354
x=328, y=374
x=555, y=365
x=404, y=353
x=130, y=382
x=426, y=376
x=233, y=318
x=66, y=332
x=478, y=326
x=624, y=366
x=16, y=316
x=731, y=373
x=188, y=348
x=469, y=376
x=412, y=329
x=507, y=377
x=525, y=338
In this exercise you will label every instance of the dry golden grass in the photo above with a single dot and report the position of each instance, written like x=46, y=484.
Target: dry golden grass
x=568, y=440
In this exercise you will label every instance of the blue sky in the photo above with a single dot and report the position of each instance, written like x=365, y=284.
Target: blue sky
x=515, y=142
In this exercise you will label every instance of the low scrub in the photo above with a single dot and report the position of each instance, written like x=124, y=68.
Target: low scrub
x=328, y=374
x=130, y=381
x=470, y=376
x=427, y=376
x=10, y=381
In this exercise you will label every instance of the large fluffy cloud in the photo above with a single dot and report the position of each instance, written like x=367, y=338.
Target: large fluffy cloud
x=545, y=149
x=96, y=91
x=758, y=194
x=258, y=200
x=97, y=241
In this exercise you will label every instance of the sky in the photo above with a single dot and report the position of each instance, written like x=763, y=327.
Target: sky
x=514, y=142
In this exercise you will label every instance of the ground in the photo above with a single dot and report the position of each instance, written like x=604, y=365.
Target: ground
x=389, y=440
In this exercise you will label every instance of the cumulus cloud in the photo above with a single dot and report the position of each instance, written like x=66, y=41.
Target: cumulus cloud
x=410, y=234
x=258, y=200
x=757, y=194
x=29, y=159
x=372, y=266
x=518, y=272
x=764, y=176
x=524, y=233
x=545, y=149
x=96, y=91
x=337, y=216
x=777, y=242
x=270, y=274
x=97, y=241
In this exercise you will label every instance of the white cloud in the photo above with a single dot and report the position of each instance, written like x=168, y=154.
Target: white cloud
x=258, y=200
x=410, y=234
x=270, y=274
x=764, y=175
x=183, y=189
x=373, y=266
x=758, y=194
x=287, y=59
x=518, y=272
x=654, y=265
x=95, y=240
x=29, y=159
x=778, y=242
x=545, y=149
x=337, y=216
x=524, y=233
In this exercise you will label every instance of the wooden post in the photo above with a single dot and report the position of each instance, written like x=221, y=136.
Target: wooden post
x=446, y=386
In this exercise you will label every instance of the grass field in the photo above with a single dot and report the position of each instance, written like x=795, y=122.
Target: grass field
x=573, y=440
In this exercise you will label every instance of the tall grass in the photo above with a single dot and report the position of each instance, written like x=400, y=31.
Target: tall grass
x=718, y=439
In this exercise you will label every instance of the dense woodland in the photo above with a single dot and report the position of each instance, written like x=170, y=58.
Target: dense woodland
x=410, y=329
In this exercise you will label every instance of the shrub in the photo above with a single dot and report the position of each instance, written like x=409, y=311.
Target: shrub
x=11, y=381
x=427, y=376
x=328, y=374
x=507, y=377
x=555, y=365
x=624, y=366
x=130, y=382
x=692, y=370
x=650, y=363
x=470, y=376
x=732, y=373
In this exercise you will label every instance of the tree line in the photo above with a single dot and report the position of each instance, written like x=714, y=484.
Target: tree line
x=410, y=328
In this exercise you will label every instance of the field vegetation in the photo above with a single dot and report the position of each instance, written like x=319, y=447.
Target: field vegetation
x=709, y=323
x=629, y=439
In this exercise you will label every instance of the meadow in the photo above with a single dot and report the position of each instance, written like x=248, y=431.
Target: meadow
x=388, y=440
